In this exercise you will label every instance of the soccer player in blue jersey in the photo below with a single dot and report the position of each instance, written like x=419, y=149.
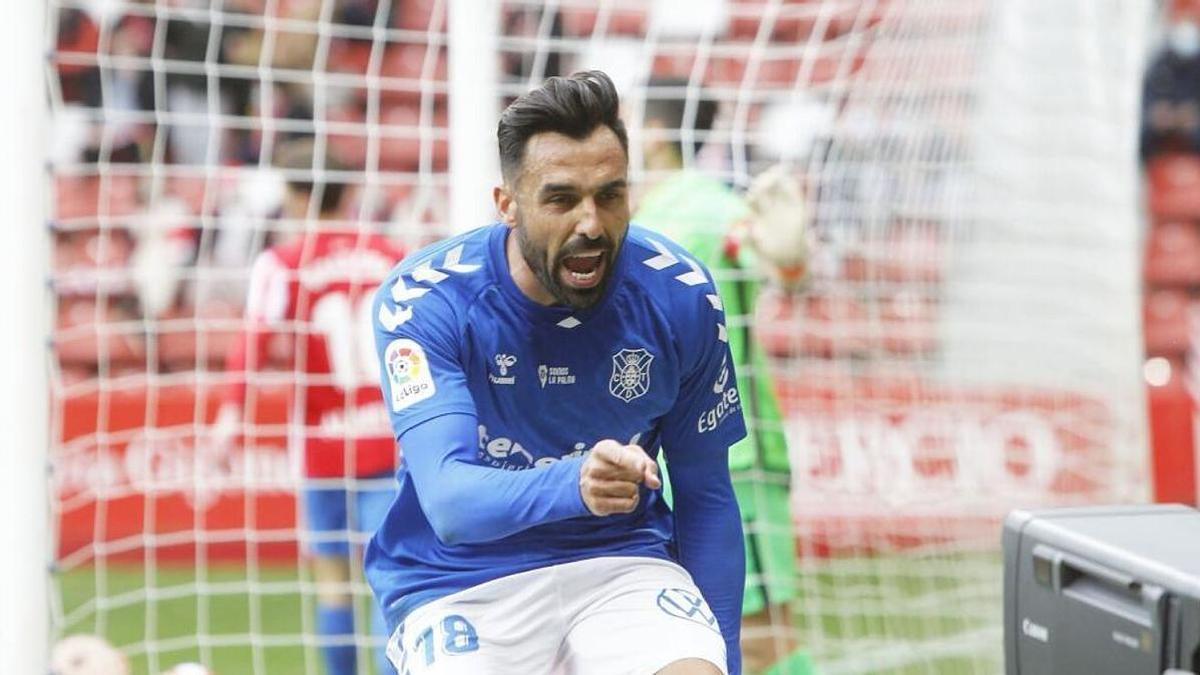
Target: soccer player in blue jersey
x=534, y=370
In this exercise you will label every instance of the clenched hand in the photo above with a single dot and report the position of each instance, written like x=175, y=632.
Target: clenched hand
x=611, y=474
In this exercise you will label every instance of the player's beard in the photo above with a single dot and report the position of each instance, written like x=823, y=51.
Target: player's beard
x=547, y=271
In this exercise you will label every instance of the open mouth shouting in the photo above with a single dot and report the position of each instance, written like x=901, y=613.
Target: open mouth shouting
x=583, y=270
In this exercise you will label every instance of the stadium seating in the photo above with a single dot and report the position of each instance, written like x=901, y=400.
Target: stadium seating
x=1166, y=322
x=89, y=332
x=1174, y=187
x=1173, y=254
x=89, y=196
x=419, y=15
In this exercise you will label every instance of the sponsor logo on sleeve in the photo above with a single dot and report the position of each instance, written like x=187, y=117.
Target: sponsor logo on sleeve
x=723, y=378
x=409, y=378
x=728, y=402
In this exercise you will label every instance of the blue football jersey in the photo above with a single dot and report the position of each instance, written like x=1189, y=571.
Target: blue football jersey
x=647, y=364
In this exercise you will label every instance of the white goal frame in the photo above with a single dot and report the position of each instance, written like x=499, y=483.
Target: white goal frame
x=24, y=403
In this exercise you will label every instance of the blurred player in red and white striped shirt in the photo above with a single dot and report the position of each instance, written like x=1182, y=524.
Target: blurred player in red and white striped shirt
x=315, y=290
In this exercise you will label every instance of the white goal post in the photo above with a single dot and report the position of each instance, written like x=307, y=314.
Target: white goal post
x=24, y=257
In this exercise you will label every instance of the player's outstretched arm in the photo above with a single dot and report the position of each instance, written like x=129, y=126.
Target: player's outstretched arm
x=469, y=503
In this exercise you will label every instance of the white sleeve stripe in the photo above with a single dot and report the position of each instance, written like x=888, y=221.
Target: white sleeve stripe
x=267, y=297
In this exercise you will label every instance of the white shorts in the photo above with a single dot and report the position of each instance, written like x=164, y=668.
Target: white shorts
x=601, y=616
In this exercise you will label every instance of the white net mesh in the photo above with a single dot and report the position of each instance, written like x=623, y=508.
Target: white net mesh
x=166, y=116
x=967, y=341
x=950, y=358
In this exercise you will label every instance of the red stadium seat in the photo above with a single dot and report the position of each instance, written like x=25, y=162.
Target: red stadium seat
x=399, y=135
x=778, y=72
x=88, y=261
x=73, y=374
x=1165, y=317
x=909, y=321
x=624, y=20
x=910, y=253
x=400, y=146
x=78, y=34
x=407, y=62
x=725, y=71
x=814, y=325
x=348, y=147
x=92, y=196
x=797, y=19
x=180, y=346
x=673, y=65
x=1173, y=254
x=1175, y=187
x=907, y=253
x=745, y=19
x=88, y=334
x=194, y=192
x=419, y=15
x=349, y=56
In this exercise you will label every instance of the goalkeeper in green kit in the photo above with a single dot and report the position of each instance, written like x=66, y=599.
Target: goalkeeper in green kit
x=743, y=240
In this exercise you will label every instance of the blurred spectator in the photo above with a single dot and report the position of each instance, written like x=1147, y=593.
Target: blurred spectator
x=362, y=12
x=526, y=64
x=186, y=88
x=78, y=35
x=137, y=86
x=675, y=126
x=1171, y=99
x=163, y=252
x=291, y=50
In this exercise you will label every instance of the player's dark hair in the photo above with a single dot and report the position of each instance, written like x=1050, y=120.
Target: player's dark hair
x=300, y=156
x=573, y=106
x=666, y=102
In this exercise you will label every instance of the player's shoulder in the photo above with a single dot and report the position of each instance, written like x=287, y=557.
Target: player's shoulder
x=670, y=274
x=442, y=278
x=678, y=285
x=452, y=264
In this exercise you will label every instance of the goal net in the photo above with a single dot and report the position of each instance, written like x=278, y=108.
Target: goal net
x=967, y=341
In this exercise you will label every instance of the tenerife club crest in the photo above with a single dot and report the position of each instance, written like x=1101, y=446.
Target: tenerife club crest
x=631, y=374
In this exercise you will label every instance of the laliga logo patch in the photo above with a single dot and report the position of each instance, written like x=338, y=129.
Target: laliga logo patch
x=408, y=373
x=684, y=604
x=631, y=374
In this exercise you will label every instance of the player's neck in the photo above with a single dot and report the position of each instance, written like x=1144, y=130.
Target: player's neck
x=526, y=281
